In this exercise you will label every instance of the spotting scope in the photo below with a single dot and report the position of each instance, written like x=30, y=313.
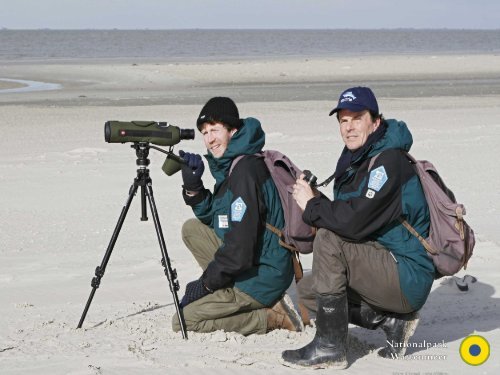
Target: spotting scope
x=158, y=133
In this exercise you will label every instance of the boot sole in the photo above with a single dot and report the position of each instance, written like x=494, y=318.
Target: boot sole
x=326, y=365
x=287, y=305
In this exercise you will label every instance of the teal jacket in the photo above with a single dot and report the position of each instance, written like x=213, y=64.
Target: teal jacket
x=368, y=204
x=250, y=257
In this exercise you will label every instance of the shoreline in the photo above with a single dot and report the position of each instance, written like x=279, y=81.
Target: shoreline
x=128, y=83
x=8, y=85
x=233, y=59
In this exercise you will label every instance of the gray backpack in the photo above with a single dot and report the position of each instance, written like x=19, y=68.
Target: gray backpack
x=451, y=240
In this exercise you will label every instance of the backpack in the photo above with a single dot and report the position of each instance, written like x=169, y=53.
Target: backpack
x=296, y=235
x=451, y=240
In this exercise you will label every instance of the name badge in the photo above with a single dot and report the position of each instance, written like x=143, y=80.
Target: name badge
x=223, y=222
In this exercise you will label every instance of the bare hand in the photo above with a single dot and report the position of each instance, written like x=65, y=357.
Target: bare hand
x=302, y=192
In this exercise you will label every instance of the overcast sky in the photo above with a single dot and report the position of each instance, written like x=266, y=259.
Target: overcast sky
x=220, y=14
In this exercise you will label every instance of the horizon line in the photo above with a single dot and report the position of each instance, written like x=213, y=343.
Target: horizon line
x=253, y=29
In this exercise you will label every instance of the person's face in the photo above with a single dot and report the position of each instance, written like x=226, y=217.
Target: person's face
x=216, y=138
x=355, y=127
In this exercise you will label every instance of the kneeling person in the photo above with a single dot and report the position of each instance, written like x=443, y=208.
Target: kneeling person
x=368, y=269
x=245, y=270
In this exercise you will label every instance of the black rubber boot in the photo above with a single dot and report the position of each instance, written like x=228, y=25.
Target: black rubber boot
x=398, y=328
x=328, y=348
x=365, y=316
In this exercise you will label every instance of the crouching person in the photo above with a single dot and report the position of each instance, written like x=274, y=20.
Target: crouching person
x=368, y=269
x=245, y=272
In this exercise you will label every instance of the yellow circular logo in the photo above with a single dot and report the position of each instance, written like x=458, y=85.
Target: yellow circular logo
x=474, y=350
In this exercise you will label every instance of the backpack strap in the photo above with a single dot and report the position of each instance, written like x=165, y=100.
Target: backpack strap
x=297, y=265
x=235, y=161
x=422, y=240
x=372, y=161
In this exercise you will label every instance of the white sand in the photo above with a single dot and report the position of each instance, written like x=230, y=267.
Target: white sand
x=63, y=187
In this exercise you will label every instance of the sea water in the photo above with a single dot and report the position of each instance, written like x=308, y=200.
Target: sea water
x=196, y=45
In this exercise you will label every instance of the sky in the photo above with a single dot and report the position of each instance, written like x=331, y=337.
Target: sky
x=249, y=14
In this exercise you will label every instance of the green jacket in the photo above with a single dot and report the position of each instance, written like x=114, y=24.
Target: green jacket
x=369, y=203
x=250, y=256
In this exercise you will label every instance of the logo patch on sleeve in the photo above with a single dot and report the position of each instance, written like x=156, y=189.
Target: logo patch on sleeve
x=378, y=177
x=238, y=209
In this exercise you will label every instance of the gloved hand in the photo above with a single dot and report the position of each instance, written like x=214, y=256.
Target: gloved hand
x=194, y=291
x=192, y=171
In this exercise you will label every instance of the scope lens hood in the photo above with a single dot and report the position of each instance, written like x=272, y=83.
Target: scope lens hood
x=107, y=132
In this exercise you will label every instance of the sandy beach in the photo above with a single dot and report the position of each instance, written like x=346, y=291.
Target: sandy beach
x=63, y=187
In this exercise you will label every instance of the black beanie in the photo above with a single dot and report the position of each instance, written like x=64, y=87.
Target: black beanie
x=220, y=109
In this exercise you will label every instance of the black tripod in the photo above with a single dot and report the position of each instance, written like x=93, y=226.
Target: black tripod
x=144, y=181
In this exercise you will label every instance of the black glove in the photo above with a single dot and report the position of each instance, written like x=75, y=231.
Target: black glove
x=194, y=291
x=192, y=171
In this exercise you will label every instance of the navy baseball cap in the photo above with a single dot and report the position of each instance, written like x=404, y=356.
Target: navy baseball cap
x=357, y=99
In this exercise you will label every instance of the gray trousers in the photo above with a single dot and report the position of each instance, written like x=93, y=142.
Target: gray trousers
x=227, y=309
x=366, y=271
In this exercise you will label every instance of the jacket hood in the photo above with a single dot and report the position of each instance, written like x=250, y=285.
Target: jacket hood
x=248, y=140
x=397, y=135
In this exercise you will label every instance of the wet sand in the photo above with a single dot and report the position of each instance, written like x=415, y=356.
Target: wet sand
x=6, y=85
x=132, y=82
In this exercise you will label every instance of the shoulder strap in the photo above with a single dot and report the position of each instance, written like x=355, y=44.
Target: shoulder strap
x=235, y=161
x=326, y=182
x=422, y=240
x=372, y=161
x=410, y=157
x=238, y=158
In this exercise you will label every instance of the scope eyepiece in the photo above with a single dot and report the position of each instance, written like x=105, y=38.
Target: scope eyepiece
x=187, y=134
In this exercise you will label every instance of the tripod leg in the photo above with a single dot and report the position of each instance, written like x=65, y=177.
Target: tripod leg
x=169, y=272
x=99, y=271
x=144, y=211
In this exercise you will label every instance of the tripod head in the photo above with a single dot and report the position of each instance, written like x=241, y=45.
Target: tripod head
x=142, y=152
x=173, y=163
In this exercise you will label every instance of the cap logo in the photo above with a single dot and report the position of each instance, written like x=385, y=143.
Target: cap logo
x=348, y=97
